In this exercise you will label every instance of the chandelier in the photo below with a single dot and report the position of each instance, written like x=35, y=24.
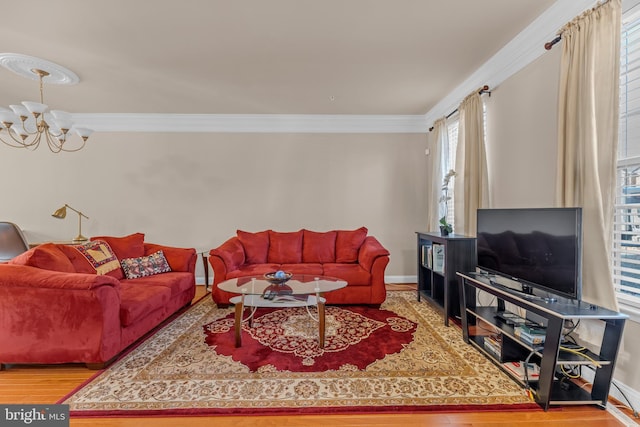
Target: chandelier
x=28, y=124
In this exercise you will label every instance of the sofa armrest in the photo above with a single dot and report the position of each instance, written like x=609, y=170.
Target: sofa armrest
x=55, y=317
x=226, y=257
x=24, y=276
x=370, y=250
x=179, y=259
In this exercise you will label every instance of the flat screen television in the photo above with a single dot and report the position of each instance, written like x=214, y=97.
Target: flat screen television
x=537, y=247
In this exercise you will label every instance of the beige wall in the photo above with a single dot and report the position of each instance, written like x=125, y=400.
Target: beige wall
x=195, y=190
x=521, y=136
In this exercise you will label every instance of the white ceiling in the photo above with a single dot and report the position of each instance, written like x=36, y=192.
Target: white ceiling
x=391, y=57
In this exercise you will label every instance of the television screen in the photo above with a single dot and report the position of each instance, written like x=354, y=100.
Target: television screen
x=539, y=247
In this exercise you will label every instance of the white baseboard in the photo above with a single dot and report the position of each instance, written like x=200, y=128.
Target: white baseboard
x=400, y=279
x=632, y=395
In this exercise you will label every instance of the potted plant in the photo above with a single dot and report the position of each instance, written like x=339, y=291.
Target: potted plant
x=445, y=227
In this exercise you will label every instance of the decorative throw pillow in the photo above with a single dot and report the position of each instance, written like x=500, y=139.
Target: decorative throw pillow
x=149, y=265
x=99, y=255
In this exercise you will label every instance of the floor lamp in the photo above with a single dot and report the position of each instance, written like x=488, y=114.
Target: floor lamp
x=62, y=212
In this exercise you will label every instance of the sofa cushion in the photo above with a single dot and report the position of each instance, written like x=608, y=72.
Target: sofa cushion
x=177, y=281
x=318, y=247
x=131, y=246
x=137, y=301
x=348, y=244
x=179, y=259
x=285, y=248
x=256, y=246
x=313, y=269
x=255, y=270
x=46, y=256
x=144, y=266
x=352, y=273
x=231, y=252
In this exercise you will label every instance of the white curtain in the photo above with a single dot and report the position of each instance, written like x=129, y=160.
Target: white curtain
x=471, y=187
x=438, y=143
x=588, y=139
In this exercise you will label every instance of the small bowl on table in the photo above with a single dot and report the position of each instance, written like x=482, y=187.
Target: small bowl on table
x=278, y=279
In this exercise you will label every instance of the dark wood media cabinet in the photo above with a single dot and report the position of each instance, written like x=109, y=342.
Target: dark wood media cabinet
x=552, y=387
x=440, y=286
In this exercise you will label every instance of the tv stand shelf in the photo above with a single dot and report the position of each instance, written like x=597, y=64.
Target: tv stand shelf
x=551, y=388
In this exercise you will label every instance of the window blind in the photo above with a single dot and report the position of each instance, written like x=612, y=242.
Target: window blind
x=626, y=239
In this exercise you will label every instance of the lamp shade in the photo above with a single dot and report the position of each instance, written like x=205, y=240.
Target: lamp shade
x=60, y=213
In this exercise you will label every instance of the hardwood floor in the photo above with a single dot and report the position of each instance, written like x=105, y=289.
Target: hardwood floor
x=47, y=384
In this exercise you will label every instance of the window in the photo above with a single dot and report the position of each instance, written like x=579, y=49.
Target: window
x=626, y=246
x=449, y=156
x=449, y=162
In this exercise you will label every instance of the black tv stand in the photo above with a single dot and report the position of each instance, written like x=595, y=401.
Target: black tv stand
x=550, y=314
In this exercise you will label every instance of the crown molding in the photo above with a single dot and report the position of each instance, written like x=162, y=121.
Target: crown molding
x=252, y=123
x=515, y=55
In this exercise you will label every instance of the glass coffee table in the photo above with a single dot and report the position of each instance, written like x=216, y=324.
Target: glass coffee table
x=299, y=291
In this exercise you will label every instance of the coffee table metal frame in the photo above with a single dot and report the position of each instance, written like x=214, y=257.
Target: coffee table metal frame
x=302, y=291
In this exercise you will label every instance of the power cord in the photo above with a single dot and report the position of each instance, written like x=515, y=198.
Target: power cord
x=527, y=386
x=629, y=405
x=581, y=354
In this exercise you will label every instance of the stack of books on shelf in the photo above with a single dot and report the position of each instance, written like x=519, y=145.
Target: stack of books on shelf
x=493, y=345
x=517, y=369
x=532, y=335
x=426, y=256
x=438, y=258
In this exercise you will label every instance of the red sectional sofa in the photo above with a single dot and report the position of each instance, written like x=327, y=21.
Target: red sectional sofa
x=350, y=255
x=58, y=305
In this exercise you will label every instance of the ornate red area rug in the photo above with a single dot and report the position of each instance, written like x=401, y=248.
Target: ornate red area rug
x=397, y=359
x=287, y=339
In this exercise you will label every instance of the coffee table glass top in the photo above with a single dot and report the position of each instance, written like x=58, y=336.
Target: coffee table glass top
x=299, y=284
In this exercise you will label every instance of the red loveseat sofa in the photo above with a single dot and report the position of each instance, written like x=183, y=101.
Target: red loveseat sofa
x=58, y=305
x=350, y=255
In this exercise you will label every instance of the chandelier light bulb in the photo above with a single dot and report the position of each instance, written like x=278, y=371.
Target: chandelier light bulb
x=35, y=108
x=84, y=133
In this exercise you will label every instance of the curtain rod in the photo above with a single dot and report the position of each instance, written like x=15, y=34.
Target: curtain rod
x=483, y=89
x=549, y=45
